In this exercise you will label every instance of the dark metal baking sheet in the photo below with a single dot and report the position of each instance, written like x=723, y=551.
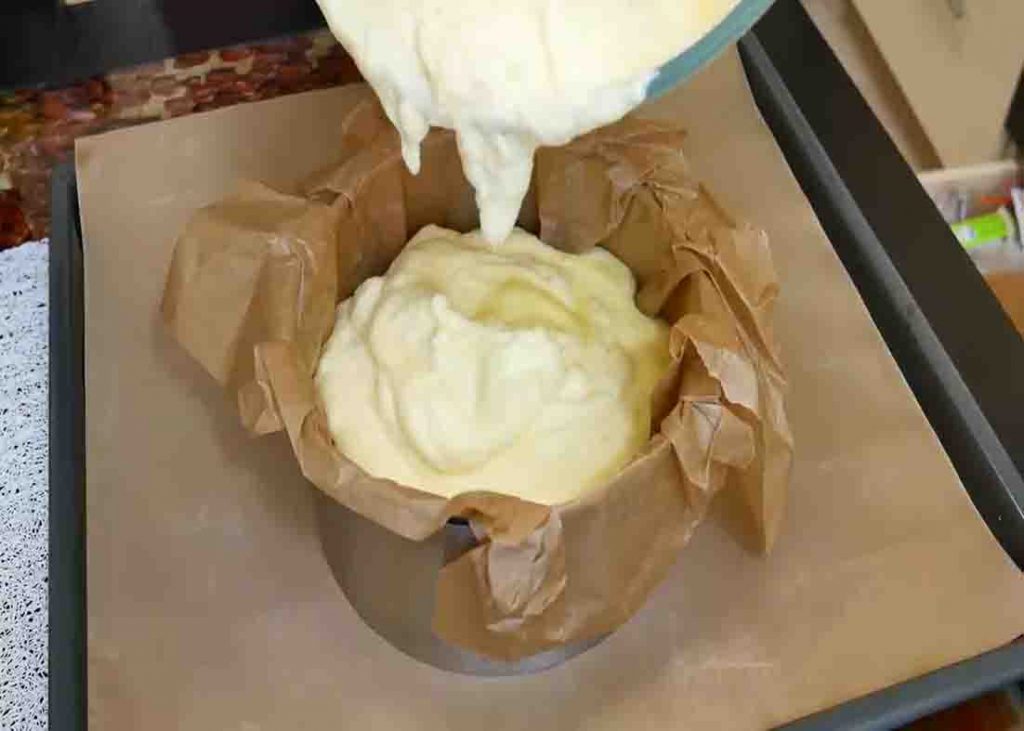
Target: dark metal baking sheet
x=955, y=345
x=67, y=587
x=873, y=216
x=952, y=340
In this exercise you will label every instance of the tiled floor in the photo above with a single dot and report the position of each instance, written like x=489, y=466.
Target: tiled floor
x=38, y=127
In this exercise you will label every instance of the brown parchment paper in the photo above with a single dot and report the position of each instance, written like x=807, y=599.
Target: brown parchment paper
x=252, y=292
x=210, y=605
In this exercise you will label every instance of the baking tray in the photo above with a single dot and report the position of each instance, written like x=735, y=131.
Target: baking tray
x=957, y=348
x=824, y=128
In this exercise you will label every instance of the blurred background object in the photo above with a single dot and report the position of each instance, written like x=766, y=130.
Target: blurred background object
x=945, y=80
x=958, y=64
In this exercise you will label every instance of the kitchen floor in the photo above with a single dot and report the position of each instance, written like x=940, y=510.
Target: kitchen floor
x=38, y=126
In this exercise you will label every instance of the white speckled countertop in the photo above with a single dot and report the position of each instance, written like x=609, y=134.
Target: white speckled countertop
x=23, y=486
